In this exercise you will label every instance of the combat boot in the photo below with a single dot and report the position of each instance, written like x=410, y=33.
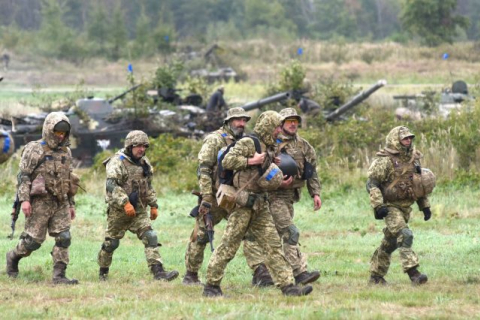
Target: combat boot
x=375, y=279
x=191, y=278
x=212, y=291
x=296, y=291
x=416, y=277
x=261, y=277
x=307, y=277
x=12, y=264
x=160, y=274
x=59, y=274
x=103, y=274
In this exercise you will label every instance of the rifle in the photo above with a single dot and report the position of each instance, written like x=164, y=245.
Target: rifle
x=15, y=212
x=204, y=209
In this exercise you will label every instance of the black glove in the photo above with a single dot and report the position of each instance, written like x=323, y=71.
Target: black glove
x=381, y=212
x=427, y=214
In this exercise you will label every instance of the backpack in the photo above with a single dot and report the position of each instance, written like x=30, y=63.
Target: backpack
x=226, y=176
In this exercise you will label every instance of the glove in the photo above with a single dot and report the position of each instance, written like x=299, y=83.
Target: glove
x=381, y=212
x=153, y=213
x=129, y=209
x=204, y=208
x=427, y=214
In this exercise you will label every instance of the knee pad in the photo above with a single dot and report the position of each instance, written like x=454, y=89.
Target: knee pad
x=63, y=240
x=109, y=245
x=149, y=239
x=29, y=243
x=294, y=235
x=406, y=236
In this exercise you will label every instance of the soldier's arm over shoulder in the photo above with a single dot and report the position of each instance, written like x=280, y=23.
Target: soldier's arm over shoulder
x=237, y=157
x=31, y=157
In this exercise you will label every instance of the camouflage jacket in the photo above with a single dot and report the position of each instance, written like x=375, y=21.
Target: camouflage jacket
x=207, y=159
x=50, y=159
x=301, y=151
x=125, y=177
x=382, y=172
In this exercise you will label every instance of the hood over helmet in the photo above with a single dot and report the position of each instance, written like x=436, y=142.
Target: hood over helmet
x=265, y=126
x=396, y=135
x=51, y=121
x=135, y=138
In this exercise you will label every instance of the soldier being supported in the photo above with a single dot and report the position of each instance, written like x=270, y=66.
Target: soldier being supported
x=46, y=193
x=254, y=175
x=129, y=192
x=395, y=181
x=232, y=130
x=282, y=200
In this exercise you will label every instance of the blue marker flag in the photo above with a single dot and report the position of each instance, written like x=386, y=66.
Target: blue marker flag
x=130, y=68
x=445, y=56
x=166, y=38
x=300, y=51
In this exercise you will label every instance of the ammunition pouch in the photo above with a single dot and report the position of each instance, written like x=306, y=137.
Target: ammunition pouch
x=38, y=186
x=226, y=197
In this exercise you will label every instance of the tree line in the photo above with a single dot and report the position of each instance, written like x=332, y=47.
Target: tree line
x=138, y=28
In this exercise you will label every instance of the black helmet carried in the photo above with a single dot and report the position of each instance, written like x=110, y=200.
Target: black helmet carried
x=287, y=164
x=62, y=126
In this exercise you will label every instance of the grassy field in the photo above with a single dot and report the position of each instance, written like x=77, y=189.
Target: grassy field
x=339, y=240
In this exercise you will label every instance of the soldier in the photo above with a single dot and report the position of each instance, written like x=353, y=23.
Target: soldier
x=254, y=174
x=282, y=199
x=47, y=197
x=129, y=192
x=232, y=130
x=217, y=102
x=391, y=188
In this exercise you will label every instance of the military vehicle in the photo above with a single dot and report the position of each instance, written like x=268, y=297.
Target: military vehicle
x=97, y=125
x=418, y=106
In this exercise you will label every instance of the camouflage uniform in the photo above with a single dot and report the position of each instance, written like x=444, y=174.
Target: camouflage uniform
x=48, y=160
x=208, y=183
x=126, y=177
x=388, y=185
x=282, y=200
x=255, y=218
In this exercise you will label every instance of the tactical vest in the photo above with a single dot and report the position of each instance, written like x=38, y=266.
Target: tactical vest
x=136, y=181
x=404, y=180
x=55, y=169
x=248, y=178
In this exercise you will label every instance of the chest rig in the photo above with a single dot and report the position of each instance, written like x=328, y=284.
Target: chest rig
x=55, y=169
x=404, y=180
x=137, y=180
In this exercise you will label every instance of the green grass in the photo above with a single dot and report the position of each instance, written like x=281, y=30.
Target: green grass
x=339, y=240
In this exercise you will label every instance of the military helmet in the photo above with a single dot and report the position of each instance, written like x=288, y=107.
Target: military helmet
x=236, y=112
x=6, y=146
x=135, y=138
x=287, y=164
x=62, y=126
x=428, y=180
x=290, y=113
x=404, y=132
x=271, y=179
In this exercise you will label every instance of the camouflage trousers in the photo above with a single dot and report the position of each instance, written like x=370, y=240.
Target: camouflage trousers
x=47, y=215
x=260, y=224
x=117, y=224
x=281, y=208
x=397, y=235
x=199, y=240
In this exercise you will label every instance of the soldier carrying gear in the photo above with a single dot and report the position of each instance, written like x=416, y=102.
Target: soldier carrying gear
x=295, y=149
x=394, y=179
x=233, y=128
x=253, y=219
x=46, y=196
x=129, y=192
